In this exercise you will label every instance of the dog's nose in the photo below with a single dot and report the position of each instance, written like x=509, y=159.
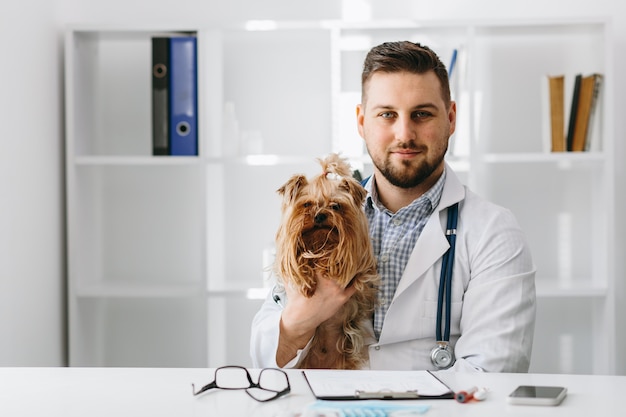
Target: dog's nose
x=320, y=218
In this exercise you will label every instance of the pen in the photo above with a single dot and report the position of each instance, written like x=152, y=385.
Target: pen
x=452, y=62
x=472, y=393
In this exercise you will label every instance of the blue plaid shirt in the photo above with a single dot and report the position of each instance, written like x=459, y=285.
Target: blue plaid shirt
x=393, y=237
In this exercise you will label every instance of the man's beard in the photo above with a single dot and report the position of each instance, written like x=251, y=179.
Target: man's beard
x=412, y=176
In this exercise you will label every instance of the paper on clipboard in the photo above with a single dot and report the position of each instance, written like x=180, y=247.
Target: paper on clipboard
x=372, y=384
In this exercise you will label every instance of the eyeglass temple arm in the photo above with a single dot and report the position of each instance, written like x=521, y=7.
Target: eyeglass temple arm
x=201, y=390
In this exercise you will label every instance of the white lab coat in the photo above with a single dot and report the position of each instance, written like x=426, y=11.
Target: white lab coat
x=493, y=295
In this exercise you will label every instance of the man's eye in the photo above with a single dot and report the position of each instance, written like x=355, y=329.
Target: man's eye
x=421, y=114
x=386, y=115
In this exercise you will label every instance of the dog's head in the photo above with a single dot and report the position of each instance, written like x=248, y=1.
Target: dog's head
x=323, y=227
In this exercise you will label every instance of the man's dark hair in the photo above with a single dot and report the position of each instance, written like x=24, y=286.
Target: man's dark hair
x=405, y=56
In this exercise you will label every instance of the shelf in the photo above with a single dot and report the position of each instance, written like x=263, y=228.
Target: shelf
x=544, y=290
x=137, y=290
x=573, y=289
x=136, y=160
x=262, y=160
x=245, y=160
x=544, y=157
x=250, y=293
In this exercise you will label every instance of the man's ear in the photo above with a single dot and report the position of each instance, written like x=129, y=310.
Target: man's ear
x=360, y=116
x=452, y=117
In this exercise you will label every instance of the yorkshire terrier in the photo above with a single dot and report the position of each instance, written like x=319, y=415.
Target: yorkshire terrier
x=324, y=232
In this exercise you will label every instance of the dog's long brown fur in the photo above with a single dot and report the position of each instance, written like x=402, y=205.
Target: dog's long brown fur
x=324, y=230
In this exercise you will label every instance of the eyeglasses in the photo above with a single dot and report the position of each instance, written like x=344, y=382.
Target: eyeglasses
x=272, y=383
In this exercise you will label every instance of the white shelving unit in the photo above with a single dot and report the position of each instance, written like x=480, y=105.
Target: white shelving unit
x=167, y=254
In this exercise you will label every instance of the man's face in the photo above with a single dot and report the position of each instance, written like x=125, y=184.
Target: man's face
x=406, y=126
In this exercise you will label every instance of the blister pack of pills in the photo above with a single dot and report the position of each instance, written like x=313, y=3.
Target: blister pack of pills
x=367, y=408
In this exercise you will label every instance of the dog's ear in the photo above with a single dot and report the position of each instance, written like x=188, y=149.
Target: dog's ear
x=292, y=188
x=355, y=189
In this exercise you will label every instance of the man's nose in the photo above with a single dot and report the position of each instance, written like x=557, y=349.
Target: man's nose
x=405, y=128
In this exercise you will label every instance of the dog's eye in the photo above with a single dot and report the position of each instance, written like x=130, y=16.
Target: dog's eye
x=335, y=206
x=307, y=204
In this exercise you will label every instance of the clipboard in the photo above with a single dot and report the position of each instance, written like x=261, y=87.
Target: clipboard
x=343, y=385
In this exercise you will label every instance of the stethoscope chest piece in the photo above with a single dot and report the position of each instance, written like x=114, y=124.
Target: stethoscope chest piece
x=442, y=356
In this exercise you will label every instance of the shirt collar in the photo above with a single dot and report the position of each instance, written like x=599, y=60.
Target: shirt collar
x=433, y=195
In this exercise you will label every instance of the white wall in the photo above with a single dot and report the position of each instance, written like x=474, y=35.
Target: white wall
x=31, y=145
x=31, y=202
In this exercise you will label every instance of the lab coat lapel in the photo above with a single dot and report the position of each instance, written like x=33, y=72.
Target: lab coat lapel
x=432, y=243
x=430, y=247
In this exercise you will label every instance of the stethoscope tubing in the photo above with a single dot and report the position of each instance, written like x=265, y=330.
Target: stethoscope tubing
x=445, y=279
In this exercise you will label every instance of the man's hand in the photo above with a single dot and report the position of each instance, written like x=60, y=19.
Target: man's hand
x=302, y=315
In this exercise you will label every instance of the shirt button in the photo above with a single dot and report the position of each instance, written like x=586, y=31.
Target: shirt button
x=397, y=222
x=384, y=257
x=376, y=347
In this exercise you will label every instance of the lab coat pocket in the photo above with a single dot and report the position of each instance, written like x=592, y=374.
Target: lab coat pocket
x=429, y=316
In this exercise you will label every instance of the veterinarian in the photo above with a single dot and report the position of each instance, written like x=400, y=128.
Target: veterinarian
x=406, y=119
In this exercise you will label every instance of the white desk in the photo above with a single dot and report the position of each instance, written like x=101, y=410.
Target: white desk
x=136, y=392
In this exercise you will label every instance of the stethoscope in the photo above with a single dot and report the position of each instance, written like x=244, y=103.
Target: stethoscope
x=442, y=355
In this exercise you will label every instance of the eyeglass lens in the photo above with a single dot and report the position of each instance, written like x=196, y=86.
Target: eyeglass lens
x=272, y=384
x=232, y=377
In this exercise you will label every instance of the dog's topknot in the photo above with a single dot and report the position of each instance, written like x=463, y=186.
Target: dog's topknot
x=334, y=164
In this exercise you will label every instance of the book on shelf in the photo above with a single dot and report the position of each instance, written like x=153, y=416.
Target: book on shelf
x=554, y=112
x=183, y=96
x=594, y=129
x=174, y=95
x=583, y=131
x=160, y=96
x=587, y=103
x=573, y=111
